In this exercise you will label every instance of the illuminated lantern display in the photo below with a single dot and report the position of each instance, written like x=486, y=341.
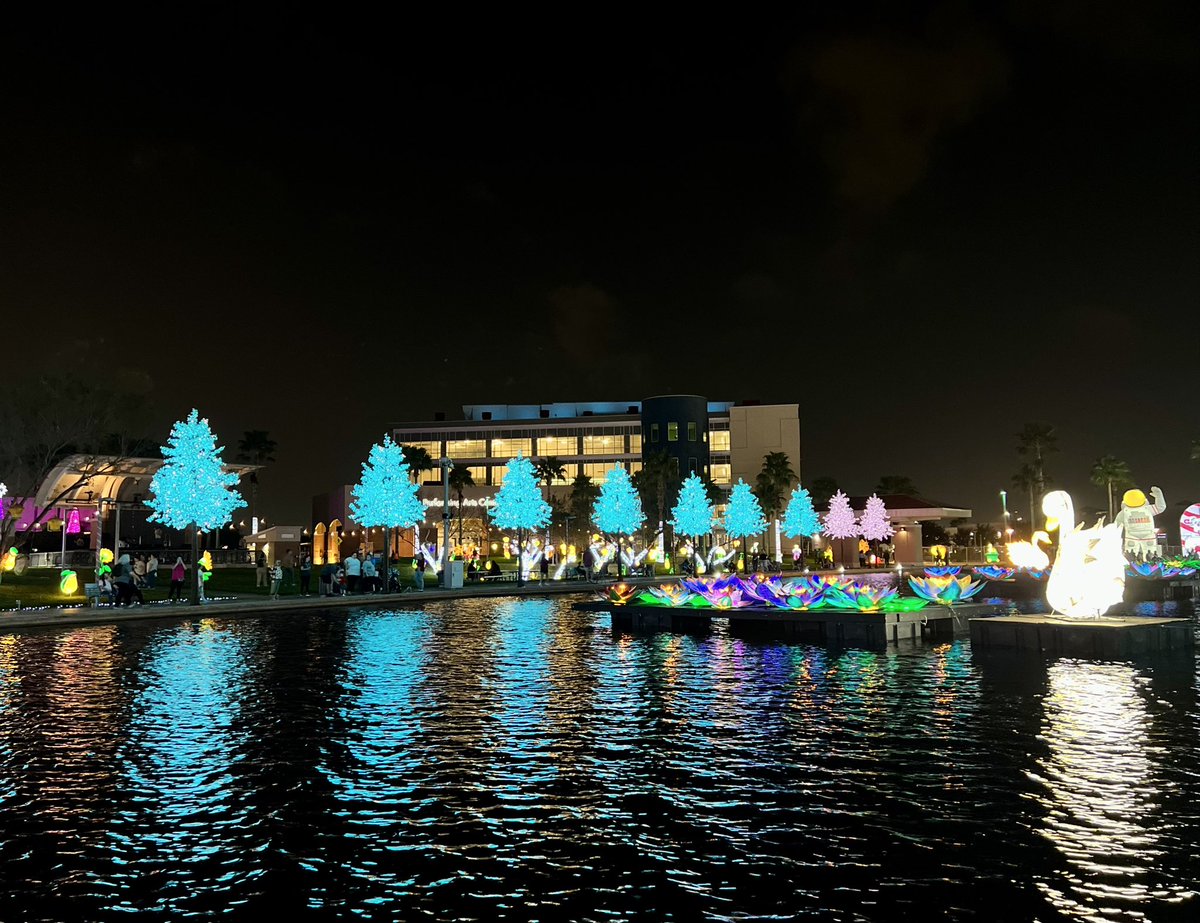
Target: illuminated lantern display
x=10, y=559
x=1089, y=569
x=875, y=524
x=1189, y=529
x=1137, y=519
x=73, y=527
x=206, y=566
x=68, y=583
x=1029, y=555
x=991, y=555
x=16, y=511
x=54, y=525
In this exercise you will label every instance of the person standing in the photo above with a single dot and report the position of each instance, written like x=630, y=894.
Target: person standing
x=260, y=568
x=367, y=581
x=289, y=568
x=353, y=567
x=419, y=571
x=276, y=579
x=305, y=574
x=152, y=571
x=139, y=571
x=178, y=574
x=123, y=581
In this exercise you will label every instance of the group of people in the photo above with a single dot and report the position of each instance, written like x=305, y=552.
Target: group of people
x=357, y=573
x=124, y=584
x=282, y=574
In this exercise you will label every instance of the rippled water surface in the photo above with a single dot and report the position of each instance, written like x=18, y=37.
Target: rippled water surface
x=499, y=760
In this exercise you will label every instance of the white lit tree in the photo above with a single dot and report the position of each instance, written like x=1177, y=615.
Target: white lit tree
x=743, y=515
x=618, y=509
x=386, y=496
x=519, y=505
x=875, y=525
x=192, y=490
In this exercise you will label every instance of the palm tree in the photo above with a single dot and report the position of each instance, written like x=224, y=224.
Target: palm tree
x=1026, y=480
x=418, y=459
x=654, y=483
x=896, y=484
x=774, y=483
x=256, y=448
x=1111, y=473
x=549, y=470
x=822, y=489
x=583, y=496
x=1037, y=440
x=459, y=478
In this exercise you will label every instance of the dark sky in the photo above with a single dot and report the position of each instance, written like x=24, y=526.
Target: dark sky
x=926, y=226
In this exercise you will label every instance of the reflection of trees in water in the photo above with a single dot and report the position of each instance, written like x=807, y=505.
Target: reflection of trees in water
x=63, y=711
x=291, y=731
x=1101, y=792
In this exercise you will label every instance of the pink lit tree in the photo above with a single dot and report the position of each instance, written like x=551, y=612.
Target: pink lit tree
x=875, y=524
x=839, y=522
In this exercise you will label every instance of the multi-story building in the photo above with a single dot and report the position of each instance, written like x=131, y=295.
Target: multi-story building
x=719, y=439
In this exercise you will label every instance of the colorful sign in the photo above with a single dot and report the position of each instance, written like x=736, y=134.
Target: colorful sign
x=1189, y=529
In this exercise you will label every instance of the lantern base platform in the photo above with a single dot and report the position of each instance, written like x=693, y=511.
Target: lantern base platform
x=827, y=625
x=1102, y=639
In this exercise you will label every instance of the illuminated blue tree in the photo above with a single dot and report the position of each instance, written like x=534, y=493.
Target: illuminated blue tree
x=800, y=519
x=385, y=496
x=519, y=505
x=192, y=488
x=693, y=514
x=618, y=509
x=743, y=515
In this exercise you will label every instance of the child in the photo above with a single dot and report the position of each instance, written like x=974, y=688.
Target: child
x=276, y=579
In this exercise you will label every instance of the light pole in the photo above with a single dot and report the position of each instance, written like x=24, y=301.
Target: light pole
x=1004, y=507
x=446, y=464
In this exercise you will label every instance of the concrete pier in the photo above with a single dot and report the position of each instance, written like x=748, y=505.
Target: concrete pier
x=1106, y=638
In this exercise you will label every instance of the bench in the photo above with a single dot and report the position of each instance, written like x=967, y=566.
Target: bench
x=91, y=593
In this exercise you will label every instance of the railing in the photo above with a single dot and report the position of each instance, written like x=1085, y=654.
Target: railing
x=86, y=558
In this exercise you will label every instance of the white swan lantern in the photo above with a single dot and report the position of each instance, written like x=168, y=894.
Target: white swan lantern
x=1089, y=570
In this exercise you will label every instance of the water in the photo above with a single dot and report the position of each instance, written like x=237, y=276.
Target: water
x=515, y=760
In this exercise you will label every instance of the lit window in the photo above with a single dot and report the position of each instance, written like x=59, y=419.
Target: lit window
x=498, y=472
x=692, y=432
x=478, y=474
x=635, y=443
x=569, y=472
x=466, y=448
x=557, y=446
x=721, y=474
x=508, y=448
x=719, y=441
x=635, y=467
x=598, y=471
x=603, y=445
x=672, y=432
x=654, y=432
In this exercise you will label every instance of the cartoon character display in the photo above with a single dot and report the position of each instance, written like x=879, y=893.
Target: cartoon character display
x=1137, y=518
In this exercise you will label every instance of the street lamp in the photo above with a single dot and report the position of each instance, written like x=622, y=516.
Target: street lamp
x=1004, y=507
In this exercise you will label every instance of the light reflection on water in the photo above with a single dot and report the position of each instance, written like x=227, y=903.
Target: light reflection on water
x=515, y=759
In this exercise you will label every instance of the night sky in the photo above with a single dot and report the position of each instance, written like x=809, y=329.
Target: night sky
x=927, y=226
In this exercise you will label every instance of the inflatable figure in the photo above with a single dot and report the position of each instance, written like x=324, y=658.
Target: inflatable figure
x=1137, y=518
